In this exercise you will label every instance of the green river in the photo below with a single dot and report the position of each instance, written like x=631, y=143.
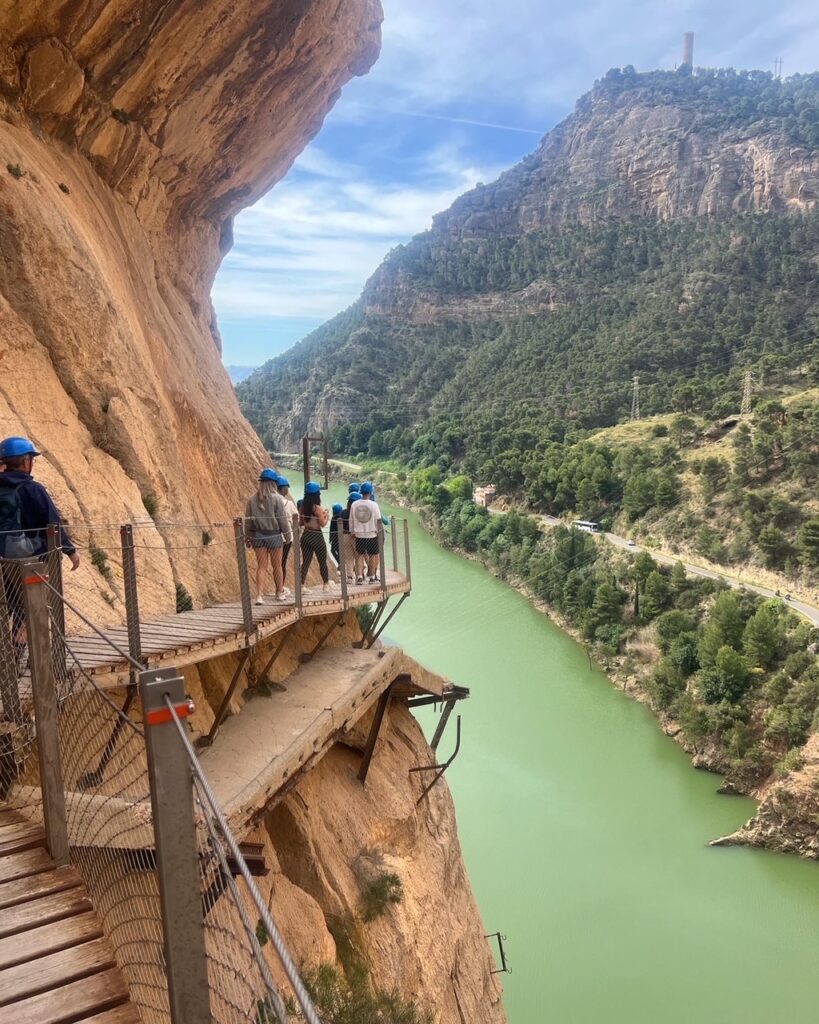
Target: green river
x=585, y=828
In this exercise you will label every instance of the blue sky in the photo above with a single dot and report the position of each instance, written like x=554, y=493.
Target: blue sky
x=462, y=90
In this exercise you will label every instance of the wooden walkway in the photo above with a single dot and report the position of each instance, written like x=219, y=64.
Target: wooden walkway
x=56, y=966
x=187, y=638
x=261, y=752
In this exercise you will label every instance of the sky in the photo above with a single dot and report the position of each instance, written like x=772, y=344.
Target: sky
x=463, y=89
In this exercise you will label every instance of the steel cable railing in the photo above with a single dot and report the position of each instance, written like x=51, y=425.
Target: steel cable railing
x=207, y=796
x=113, y=844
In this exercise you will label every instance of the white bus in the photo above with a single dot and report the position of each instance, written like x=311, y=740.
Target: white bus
x=586, y=526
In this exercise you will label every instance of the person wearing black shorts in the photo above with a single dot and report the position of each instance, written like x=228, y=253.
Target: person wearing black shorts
x=365, y=518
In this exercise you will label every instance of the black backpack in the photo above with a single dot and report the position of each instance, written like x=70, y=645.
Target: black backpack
x=14, y=543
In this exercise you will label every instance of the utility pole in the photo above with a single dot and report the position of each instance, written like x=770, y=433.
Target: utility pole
x=635, y=398
x=778, y=68
x=747, y=392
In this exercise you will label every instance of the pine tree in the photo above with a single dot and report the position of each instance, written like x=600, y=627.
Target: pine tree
x=762, y=637
x=808, y=543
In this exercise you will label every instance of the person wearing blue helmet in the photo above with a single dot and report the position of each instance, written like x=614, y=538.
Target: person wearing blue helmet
x=26, y=511
x=292, y=510
x=335, y=520
x=267, y=529
x=313, y=518
x=354, y=488
x=365, y=518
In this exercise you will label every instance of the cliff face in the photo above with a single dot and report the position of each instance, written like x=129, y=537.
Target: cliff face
x=130, y=133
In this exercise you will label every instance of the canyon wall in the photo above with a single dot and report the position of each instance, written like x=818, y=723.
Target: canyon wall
x=130, y=134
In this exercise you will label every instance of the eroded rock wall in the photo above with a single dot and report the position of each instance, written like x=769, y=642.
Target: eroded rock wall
x=131, y=131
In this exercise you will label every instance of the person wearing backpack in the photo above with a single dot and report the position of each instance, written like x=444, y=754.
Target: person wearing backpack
x=365, y=517
x=268, y=529
x=26, y=510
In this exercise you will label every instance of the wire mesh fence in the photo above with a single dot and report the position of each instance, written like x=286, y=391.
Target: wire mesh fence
x=112, y=839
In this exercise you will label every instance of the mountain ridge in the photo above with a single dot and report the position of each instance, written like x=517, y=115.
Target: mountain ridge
x=698, y=173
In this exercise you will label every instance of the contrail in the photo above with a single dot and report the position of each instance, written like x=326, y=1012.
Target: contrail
x=465, y=120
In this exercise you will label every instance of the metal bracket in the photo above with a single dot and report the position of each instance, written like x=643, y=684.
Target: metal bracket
x=387, y=621
x=309, y=655
x=439, y=768
x=375, y=728
x=505, y=967
x=206, y=741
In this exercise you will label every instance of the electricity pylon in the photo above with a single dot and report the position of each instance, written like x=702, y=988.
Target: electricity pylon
x=635, y=398
x=747, y=391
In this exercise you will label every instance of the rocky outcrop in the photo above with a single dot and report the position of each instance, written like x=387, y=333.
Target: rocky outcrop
x=130, y=133
x=787, y=819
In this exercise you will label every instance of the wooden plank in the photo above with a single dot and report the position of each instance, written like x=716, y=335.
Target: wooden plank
x=16, y=829
x=54, y=970
x=50, y=938
x=74, y=1001
x=125, y=1014
x=39, y=912
x=22, y=865
x=29, y=837
x=42, y=884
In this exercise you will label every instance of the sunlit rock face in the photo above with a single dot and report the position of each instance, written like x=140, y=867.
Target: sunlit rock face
x=131, y=132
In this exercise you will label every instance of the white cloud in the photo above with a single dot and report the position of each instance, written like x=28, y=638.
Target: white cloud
x=307, y=247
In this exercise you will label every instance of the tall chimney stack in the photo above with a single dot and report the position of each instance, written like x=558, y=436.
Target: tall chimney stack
x=688, y=49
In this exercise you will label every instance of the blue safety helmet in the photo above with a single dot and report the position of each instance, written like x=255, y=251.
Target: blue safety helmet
x=312, y=487
x=337, y=509
x=367, y=488
x=353, y=488
x=283, y=481
x=14, y=447
x=269, y=474
x=355, y=496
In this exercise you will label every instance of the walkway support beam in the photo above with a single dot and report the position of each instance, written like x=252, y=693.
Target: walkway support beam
x=394, y=539
x=176, y=853
x=44, y=692
x=375, y=728
x=206, y=741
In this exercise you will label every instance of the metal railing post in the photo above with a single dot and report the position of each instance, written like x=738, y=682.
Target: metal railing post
x=244, y=576
x=44, y=693
x=407, y=566
x=171, y=780
x=55, y=596
x=297, y=565
x=342, y=565
x=394, y=539
x=382, y=562
x=129, y=579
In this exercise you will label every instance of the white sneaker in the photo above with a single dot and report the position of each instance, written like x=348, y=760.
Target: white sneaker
x=281, y=597
x=286, y=591
x=305, y=590
x=259, y=600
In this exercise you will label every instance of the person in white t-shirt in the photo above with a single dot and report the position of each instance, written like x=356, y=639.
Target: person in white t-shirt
x=365, y=518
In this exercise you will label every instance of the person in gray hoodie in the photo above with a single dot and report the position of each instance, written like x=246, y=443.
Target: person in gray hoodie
x=267, y=530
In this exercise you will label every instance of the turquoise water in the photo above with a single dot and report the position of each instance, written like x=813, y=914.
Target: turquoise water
x=584, y=830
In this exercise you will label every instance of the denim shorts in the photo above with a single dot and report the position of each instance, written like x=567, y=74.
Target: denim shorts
x=267, y=540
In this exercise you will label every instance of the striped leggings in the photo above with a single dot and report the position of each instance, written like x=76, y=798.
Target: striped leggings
x=313, y=543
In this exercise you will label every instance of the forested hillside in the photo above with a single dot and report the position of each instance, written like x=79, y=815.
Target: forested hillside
x=499, y=342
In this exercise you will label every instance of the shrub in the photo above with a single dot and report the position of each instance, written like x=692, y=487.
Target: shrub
x=727, y=680
x=791, y=762
x=99, y=559
x=207, y=538
x=151, y=505
x=669, y=626
x=120, y=115
x=15, y=170
x=763, y=637
x=261, y=933
x=666, y=683
x=184, y=601
x=352, y=999
x=683, y=653
x=64, y=188
x=382, y=890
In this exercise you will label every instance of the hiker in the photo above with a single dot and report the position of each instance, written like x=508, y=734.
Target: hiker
x=313, y=518
x=26, y=510
x=335, y=528
x=267, y=530
x=292, y=510
x=365, y=517
x=347, y=539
